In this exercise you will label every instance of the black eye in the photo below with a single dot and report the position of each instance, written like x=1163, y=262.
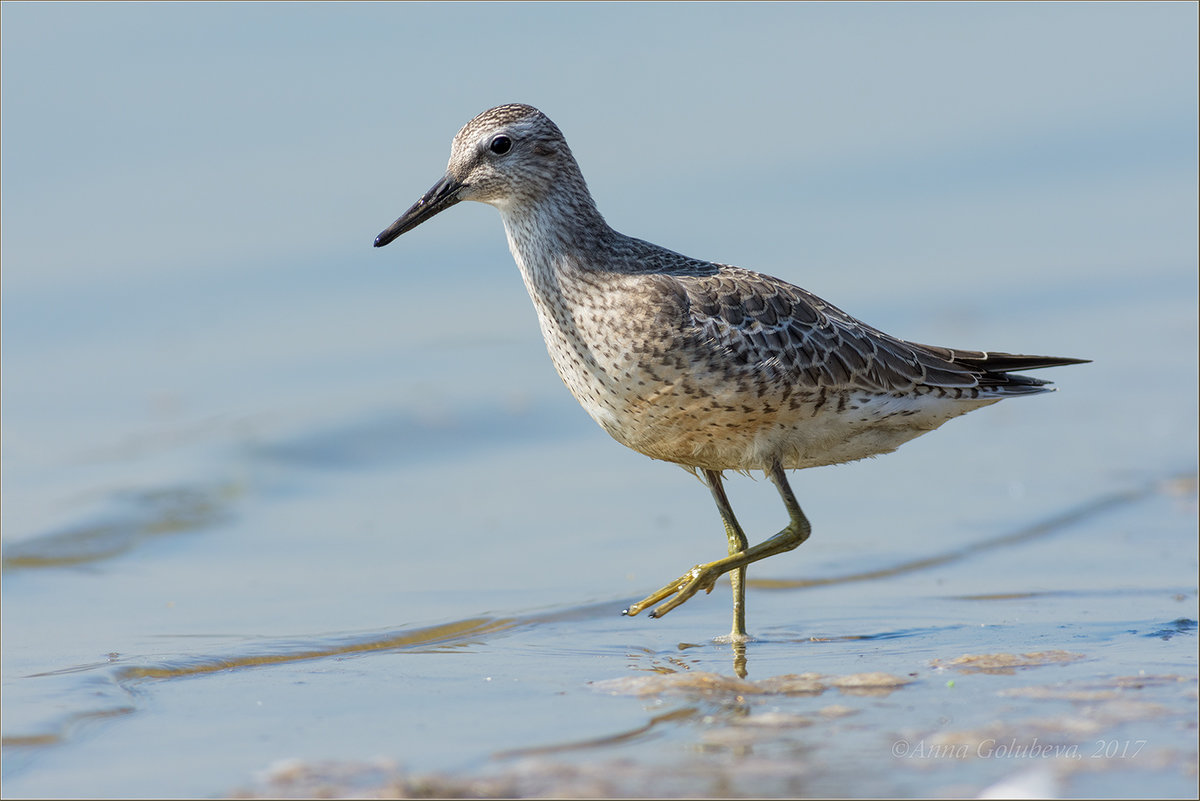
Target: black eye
x=500, y=145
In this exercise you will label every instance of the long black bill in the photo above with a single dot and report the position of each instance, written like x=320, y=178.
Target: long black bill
x=440, y=197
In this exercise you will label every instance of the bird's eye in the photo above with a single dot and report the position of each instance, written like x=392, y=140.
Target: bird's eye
x=500, y=145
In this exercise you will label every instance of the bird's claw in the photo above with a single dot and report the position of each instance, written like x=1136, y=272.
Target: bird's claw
x=700, y=577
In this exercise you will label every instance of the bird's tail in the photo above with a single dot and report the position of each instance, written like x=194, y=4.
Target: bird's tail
x=997, y=371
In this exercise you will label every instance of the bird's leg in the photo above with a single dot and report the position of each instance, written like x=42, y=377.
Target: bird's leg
x=737, y=544
x=703, y=577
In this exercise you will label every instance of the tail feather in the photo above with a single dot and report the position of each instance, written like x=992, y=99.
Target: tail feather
x=994, y=362
x=995, y=371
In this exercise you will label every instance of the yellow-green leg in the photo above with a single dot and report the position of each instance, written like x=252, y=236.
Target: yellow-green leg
x=703, y=577
x=737, y=544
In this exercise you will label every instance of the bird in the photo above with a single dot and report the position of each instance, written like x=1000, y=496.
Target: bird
x=705, y=365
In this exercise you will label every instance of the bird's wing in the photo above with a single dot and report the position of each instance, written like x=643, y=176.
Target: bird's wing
x=756, y=320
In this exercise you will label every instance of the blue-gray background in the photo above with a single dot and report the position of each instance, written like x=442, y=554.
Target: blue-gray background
x=200, y=342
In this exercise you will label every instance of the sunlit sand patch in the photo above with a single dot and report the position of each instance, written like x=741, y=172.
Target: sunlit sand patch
x=794, y=684
x=834, y=711
x=869, y=683
x=696, y=681
x=774, y=720
x=296, y=778
x=530, y=778
x=1006, y=664
x=788, y=684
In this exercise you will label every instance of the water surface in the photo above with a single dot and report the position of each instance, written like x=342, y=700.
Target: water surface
x=281, y=511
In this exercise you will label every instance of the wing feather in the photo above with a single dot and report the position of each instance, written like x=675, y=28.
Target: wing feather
x=765, y=323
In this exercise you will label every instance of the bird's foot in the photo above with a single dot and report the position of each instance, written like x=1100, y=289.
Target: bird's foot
x=700, y=577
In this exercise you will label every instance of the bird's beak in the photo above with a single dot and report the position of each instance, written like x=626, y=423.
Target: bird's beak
x=441, y=196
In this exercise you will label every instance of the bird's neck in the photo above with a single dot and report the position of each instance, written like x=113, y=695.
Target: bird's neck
x=561, y=245
x=553, y=236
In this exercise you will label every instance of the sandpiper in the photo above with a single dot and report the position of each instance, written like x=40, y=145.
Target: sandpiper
x=706, y=365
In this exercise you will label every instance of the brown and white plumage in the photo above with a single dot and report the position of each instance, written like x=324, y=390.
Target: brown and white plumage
x=706, y=365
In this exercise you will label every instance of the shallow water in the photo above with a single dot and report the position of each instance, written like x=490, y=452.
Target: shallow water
x=283, y=513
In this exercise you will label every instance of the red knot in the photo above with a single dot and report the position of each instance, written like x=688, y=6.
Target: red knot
x=706, y=365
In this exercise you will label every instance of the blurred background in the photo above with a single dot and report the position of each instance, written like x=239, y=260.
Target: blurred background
x=232, y=429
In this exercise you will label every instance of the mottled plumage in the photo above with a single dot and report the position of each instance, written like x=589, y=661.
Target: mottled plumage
x=706, y=365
